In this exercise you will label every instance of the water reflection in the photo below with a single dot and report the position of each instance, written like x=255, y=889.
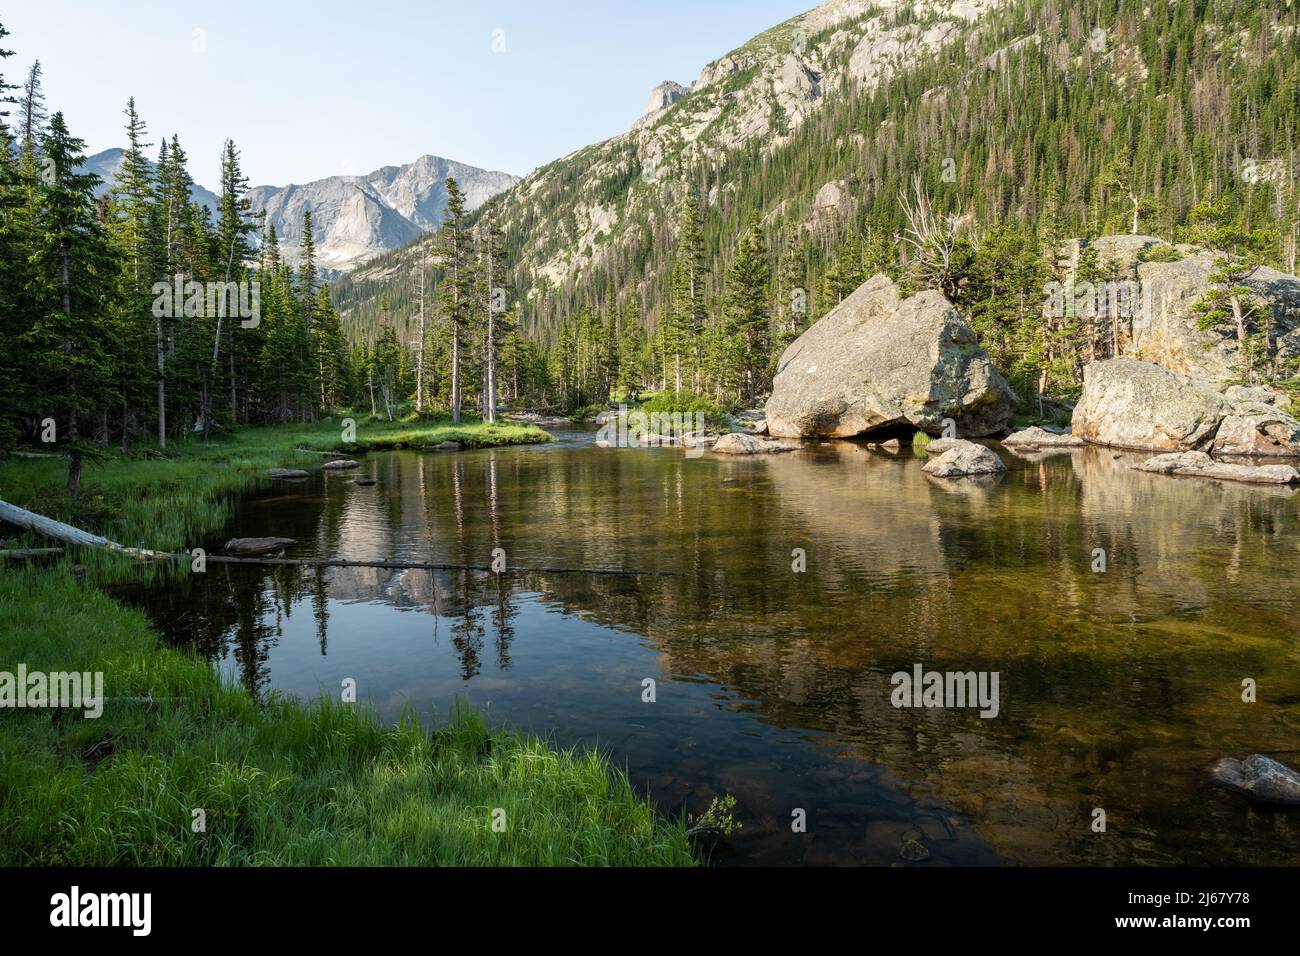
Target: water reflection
x=1118, y=688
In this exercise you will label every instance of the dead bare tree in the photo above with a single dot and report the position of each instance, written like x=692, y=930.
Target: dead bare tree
x=936, y=240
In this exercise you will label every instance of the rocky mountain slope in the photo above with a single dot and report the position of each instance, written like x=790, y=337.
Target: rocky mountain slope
x=107, y=163
x=357, y=217
x=354, y=217
x=567, y=215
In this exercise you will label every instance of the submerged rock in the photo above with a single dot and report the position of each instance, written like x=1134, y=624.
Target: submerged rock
x=1258, y=777
x=738, y=443
x=1035, y=437
x=878, y=361
x=287, y=473
x=342, y=464
x=1199, y=464
x=962, y=459
x=363, y=481
x=253, y=546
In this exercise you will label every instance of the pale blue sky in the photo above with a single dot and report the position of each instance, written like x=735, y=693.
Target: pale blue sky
x=311, y=89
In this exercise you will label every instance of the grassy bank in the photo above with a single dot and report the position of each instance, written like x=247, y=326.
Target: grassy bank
x=170, y=500
x=317, y=784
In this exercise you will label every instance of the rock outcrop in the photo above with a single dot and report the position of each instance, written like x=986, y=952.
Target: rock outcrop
x=1163, y=328
x=665, y=95
x=1131, y=404
x=876, y=361
x=964, y=459
x=1254, y=428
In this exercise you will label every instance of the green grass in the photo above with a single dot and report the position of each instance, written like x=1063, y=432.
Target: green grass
x=144, y=499
x=297, y=784
x=920, y=441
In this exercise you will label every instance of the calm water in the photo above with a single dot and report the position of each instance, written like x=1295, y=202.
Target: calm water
x=1117, y=689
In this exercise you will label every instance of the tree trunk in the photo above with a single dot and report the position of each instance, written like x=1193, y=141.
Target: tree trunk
x=162, y=398
x=419, y=361
x=455, y=344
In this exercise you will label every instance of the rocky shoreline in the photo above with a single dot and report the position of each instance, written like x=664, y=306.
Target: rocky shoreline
x=879, y=365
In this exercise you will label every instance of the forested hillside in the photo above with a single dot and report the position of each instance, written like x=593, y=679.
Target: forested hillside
x=985, y=134
x=953, y=146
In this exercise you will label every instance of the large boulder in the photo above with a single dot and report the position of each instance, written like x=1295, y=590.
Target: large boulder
x=876, y=361
x=1132, y=404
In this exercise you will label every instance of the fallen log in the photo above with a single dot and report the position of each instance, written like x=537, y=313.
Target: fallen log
x=66, y=533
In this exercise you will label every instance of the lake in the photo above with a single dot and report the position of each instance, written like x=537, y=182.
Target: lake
x=1117, y=688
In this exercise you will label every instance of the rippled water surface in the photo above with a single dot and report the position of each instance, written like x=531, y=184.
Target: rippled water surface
x=1118, y=688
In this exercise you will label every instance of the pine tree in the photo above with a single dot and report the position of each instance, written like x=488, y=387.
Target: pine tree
x=1230, y=304
x=748, y=310
x=33, y=116
x=134, y=198
x=492, y=294
x=307, y=269
x=233, y=230
x=457, y=285
x=687, y=313
x=74, y=280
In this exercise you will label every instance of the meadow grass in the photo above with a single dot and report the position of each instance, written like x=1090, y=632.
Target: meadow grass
x=322, y=783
